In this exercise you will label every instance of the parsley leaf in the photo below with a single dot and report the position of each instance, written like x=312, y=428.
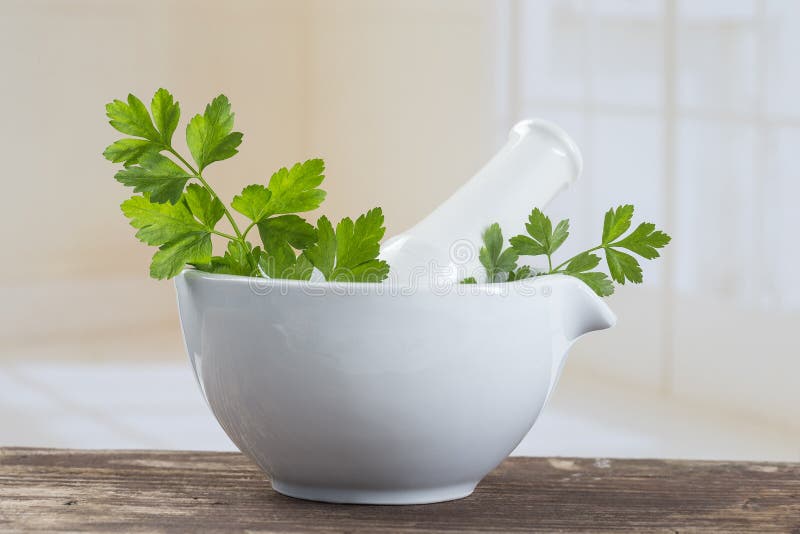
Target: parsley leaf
x=623, y=266
x=585, y=261
x=497, y=262
x=521, y=273
x=182, y=238
x=280, y=234
x=173, y=256
x=240, y=259
x=207, y=209
x=359, y=242
x=597, y=281
x=644, y=241
x=280, y=261
x=322, y=255
x=617, y=222
x=132, y=118
x=350, y=252
x=180, y=220
x=127, y=151
x=252, y=202
x=157, y=175
x=291, y=229
x=209, y=135
x=295, y=190
x=166, y=113
x=159, y=223
x=542, y=239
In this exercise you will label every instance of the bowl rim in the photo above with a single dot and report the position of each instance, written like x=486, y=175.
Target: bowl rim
x=528, y=286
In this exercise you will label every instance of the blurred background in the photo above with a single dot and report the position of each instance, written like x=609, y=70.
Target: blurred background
x=688, y=109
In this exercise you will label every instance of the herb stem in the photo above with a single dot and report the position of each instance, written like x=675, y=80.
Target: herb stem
x=223, y=234
x=227, y=213
x=199, y=176
x=247, y=230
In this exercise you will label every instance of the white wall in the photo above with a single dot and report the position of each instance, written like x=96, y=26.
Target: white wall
x=401, y=100
x=62, y=61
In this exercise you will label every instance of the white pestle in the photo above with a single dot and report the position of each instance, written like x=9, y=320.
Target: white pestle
x=538, y=161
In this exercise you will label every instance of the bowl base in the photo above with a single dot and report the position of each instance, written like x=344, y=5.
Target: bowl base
x=358, y=496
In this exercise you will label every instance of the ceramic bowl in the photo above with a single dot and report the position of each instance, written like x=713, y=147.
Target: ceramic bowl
x=364, y=393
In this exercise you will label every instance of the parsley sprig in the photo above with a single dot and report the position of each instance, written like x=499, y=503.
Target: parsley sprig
x=180, y=217
x=543, y=239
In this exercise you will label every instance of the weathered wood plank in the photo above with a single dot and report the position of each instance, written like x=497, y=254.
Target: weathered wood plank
x=146, y=491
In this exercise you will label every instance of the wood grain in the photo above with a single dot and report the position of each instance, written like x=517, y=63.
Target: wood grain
x=154, y=491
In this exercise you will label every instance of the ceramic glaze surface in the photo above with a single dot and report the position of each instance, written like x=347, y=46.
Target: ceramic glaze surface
x=365, y=393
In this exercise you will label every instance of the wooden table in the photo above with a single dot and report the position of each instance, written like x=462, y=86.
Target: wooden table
x=121, y=491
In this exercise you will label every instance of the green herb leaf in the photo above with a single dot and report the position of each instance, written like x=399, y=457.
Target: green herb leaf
x=291, y=229
x=279, y=235
x=559, y=235
x=469, y=280
x=623, y=266
x=492, y=245
x=495, y=260
x=166, y=113
x=521, y=273
x=359, y=242
x=644, y=241
x=322, y=255
x=159, y=223
x=209, y=135
x=597, y=281
x=371, y=271
x=526, y=246
x=585, y=261
x=295, y=190
x=617, y=222
x=180, y=220
x=253, y=202
x=171, y=257
x=281, y=262
x=240, y=259
x=132, y=118
x=302, y=269
x=128, y=151
x=182, y=239
x=207, y=209
x=157, y=175
x=350, y=252
x=543, y=239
